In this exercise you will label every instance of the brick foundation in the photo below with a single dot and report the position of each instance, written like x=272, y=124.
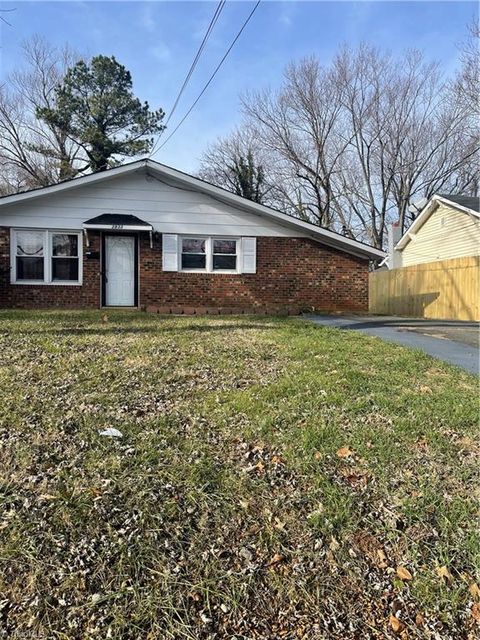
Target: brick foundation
x=293, y=274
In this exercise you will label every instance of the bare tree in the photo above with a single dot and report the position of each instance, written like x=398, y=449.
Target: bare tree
x=349, y=146
x=297, y=126
x=364, y=183
x=435, y=145
x=234, y=164
x=467, y=82
x=409, y=137
x=465, y=94
x=33, y=153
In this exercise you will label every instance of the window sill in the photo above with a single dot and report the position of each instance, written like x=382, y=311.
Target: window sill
x=219, y=271
x=37, y=283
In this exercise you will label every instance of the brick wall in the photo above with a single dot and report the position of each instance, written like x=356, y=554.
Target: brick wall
x=293, y=274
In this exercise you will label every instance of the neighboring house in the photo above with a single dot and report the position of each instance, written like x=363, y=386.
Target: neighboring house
x=447, y=227
x=434, y=268
x=145, y=235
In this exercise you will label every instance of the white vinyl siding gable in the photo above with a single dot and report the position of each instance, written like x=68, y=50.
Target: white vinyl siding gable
x=170, y=210
x=448, y=233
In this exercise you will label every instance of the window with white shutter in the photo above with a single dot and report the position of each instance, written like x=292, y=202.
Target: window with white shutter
x=209, y=254
x=170, y=252
x=249, y=255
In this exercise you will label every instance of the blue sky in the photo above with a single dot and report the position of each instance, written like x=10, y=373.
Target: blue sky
x=156, y=41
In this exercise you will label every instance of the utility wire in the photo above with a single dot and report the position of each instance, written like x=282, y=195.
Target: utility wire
x=213, y=21
x=208, y=32
x=217, y=68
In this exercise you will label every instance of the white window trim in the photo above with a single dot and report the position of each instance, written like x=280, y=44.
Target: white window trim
x=209, y=254
x=47, y=257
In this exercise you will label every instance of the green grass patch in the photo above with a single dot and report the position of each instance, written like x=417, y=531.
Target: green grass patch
x=270, y=479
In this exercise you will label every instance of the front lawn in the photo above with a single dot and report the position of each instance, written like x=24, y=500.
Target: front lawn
x=273, y=480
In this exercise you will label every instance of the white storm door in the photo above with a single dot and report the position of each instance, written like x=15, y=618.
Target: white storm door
x=119, y=271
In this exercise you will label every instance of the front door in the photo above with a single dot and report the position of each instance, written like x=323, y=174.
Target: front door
x=119, y=271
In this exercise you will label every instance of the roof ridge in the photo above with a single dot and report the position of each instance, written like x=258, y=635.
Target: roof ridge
x=320, y=234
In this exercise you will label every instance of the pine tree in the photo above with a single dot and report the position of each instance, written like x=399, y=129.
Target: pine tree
x=96, y=108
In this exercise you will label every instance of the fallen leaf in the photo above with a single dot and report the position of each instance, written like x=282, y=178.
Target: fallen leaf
x=396, y=624
x=253, y=530
x=344, y=452
x=194, y=596
x=476, y=612
x=356, y=479
x=474, y=590
x=334, y=544
x=404, y=573
x=444, y=573
x=382, y=559
x=419, y=620
x=422, y=443
x=278, y=524
x=318, y=455
x=276, y=558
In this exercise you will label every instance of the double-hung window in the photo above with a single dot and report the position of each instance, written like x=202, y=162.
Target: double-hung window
x=209, y=254
x=64, y=257
x=194, y=253
x=30, y=255
x=224, y=254
x=46, y=257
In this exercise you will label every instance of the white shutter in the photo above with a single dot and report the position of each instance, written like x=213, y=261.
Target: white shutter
x=249, y=255
x=170, y=252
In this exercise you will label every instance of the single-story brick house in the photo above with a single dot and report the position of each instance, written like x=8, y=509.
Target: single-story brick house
x=148, y=236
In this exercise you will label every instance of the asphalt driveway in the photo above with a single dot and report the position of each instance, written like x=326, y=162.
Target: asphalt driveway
x=452, y=341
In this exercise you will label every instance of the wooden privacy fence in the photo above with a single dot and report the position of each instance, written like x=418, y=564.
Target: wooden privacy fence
x=448, y=289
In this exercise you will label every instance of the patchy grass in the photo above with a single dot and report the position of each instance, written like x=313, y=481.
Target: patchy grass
x=271, y=480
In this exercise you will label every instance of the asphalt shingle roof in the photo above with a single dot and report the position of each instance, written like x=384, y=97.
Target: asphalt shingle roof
x=471, y=202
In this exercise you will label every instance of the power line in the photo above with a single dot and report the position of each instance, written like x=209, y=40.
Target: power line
x=217, y=68
x=213, y=21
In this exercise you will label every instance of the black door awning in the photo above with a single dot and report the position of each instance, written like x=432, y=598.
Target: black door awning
x=117, y=222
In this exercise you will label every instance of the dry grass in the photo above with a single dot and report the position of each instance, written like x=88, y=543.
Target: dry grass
x=271, y=479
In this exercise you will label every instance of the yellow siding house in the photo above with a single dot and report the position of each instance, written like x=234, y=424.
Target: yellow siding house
x=434, y=268
x=448, y=227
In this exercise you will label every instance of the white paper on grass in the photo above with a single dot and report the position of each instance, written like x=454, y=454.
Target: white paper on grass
x=112, y=432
